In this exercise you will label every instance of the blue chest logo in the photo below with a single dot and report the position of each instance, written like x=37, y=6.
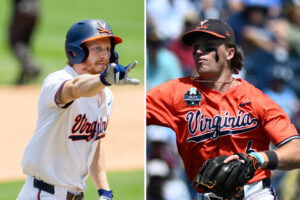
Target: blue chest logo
x=218, y=126
x=192, y=97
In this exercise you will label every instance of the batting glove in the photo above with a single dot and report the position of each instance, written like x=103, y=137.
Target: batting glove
x=105, y=194
x=118, y=75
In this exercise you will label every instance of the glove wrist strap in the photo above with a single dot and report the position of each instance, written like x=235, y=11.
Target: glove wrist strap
x=258, y=157
x=106, y=193
x=102, y=79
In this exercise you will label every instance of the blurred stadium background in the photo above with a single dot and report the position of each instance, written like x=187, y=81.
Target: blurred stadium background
x=268, y=31
x=56, y=17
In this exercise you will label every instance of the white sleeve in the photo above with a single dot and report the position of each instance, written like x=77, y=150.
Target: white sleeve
x=51, y=86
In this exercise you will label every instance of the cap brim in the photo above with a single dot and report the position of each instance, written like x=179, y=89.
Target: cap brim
x=116, y=38
x=189, y=37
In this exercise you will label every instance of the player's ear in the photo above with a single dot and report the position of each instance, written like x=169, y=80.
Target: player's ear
x=230, y=53
x=74, y=54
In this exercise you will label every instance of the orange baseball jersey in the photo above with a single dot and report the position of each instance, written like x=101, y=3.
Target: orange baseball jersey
x=209, y=124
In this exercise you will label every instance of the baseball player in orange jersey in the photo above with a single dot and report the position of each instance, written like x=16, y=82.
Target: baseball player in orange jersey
x=215, y=114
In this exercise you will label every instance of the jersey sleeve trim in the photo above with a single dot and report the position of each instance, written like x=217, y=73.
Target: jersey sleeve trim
x=64, y=106
x=287, y=140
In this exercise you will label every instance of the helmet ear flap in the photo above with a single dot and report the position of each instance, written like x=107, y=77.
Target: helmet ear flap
x=75, y=54
x=114, y=57
x=85, y=51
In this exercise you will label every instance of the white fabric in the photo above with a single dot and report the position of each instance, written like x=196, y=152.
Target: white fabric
x=28, y=192
x=168, y=16
x=176, y=189
x=54, y=153
x=253, y=191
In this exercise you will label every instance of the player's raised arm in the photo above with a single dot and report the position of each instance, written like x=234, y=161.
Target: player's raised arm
x=88, y=85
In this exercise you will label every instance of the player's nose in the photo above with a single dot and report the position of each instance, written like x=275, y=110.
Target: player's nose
x=198, y=52
x=104, y=55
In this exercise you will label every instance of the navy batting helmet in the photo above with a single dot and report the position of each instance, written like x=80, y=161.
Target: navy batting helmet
x=84, y=31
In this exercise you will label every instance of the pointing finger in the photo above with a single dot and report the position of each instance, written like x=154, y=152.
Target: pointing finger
x=117, y=77
x=132, y=81
x=131, y=66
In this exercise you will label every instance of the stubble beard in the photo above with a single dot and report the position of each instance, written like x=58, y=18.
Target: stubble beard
x=95, y=68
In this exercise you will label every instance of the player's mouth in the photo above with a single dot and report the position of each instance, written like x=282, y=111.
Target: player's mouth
x=200, y=60
x=101, y=63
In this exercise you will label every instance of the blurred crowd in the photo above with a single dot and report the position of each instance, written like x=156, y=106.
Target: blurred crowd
x=268, y=31
x=23, y=21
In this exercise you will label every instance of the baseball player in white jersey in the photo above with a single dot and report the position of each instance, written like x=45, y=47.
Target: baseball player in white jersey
x=74, y=109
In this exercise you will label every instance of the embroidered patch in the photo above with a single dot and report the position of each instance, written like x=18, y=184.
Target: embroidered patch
x=192, y=97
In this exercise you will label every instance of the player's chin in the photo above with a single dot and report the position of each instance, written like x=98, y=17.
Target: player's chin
x=204, y=71
x=200, y=68
x=99, y=68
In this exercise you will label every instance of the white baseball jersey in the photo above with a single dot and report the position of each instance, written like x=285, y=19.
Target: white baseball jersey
x=66, y=137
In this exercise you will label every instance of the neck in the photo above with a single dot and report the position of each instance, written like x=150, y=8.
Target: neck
x=220, y=85
x=78, y=69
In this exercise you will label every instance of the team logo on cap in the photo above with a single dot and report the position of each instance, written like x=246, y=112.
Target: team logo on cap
x=192, y=97
x=102, y=28
x=203, y=22
x=202, y=26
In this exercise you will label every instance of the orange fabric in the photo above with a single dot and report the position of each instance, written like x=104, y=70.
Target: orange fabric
x=117, y=39
x=240, y=120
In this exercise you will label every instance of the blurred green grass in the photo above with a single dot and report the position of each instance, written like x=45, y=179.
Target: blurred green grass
x=125, y=185
x=125, y=17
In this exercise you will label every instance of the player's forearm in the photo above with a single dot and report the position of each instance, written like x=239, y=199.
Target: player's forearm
x=87, y=85
x=97, y=168
x=288, y=156
x=100, y=179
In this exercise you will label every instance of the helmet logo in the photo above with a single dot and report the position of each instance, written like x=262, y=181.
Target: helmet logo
x=102, y=28
x=202, y=26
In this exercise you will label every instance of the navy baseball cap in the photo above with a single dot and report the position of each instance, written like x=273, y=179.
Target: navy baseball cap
x=214, y=27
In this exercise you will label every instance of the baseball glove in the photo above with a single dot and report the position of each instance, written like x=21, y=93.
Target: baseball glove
x=226, y=179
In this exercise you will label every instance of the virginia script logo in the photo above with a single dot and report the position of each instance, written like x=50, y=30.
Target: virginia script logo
x=218, y=126
x=85, y=130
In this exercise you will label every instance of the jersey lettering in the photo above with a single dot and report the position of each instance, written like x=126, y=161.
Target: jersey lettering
x=84, y=130
x=249, y=147
x=212, y=128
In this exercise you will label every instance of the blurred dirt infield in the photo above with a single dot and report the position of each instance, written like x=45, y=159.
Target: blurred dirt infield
x=124, y=142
